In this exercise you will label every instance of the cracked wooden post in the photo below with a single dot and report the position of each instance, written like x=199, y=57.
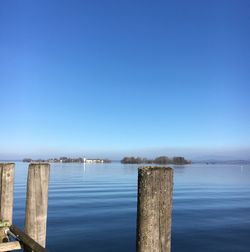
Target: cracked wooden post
x=154, y=209
x=7, y=171
x=37, y=202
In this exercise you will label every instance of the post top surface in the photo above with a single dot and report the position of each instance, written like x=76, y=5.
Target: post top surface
x=153, y=168
x=39, y=163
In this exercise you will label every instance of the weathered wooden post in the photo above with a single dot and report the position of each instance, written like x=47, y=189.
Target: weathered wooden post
x=37, y=202
x=7, y=171
x=6, y=186
x=154, y=210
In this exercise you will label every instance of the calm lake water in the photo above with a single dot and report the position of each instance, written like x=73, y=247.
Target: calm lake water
x=92, y=208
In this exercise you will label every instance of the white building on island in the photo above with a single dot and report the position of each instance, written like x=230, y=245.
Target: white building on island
x=91, y=161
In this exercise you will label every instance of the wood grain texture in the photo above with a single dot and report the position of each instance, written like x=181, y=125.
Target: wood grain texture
x=9, y=246
x=154, y=210
x=6, y=191
x=37, y=202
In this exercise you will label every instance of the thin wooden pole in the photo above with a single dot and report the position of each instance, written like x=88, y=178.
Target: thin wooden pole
x=6, y=191
x=154, y=210
x=37, y=202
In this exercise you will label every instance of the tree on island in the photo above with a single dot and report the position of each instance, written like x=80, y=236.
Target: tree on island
x=28, y=160
x=180, y=161
x=132, y=160
x=162, y=160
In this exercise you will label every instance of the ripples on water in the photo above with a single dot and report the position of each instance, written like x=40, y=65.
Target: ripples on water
x=92, y=208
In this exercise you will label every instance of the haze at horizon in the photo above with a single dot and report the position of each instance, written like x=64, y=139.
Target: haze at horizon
x=114, y=78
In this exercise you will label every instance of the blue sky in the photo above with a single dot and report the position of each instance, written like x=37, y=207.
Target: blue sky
x=112, y=78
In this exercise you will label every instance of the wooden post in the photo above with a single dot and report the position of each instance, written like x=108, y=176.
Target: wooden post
x=6, y=191
x=6, y=197
x=154, y=210
x=37, y=202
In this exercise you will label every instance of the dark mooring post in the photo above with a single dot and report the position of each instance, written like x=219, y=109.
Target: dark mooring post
x=154, y=210
x=37, y=202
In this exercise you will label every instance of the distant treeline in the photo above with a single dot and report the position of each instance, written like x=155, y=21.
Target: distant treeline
x=158, y=160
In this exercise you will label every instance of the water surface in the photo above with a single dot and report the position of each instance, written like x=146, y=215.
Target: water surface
x=93, y=207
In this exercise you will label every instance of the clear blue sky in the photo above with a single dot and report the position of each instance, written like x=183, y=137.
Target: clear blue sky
x=110, y=78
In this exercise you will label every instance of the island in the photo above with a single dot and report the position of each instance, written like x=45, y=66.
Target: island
x=162, y=160
x=68, y=160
